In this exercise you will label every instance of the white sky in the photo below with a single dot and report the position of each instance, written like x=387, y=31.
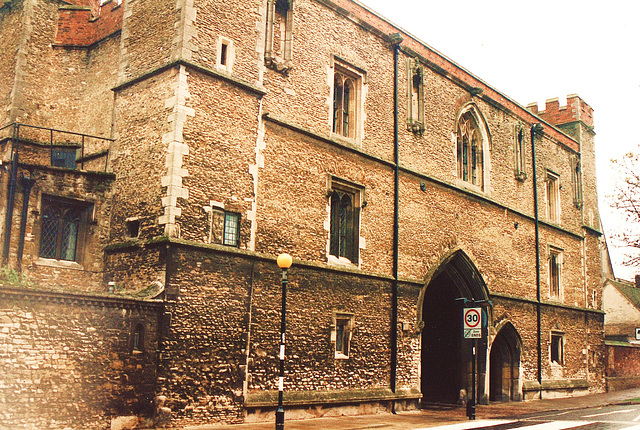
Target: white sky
x=537, y=50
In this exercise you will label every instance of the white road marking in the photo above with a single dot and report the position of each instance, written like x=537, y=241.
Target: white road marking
x=548, y=416
x=608, y=413
x=556, y=425
x=637, y=418
x=465, y=425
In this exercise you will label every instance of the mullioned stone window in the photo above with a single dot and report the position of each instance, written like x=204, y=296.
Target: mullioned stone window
x=470, y=149
x=345, y=201
x=62, y=229
x=347, y=93
x=415, y=96
x=279, y=35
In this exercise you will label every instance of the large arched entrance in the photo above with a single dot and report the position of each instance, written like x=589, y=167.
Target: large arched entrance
x=504, y=366
x=446, y=356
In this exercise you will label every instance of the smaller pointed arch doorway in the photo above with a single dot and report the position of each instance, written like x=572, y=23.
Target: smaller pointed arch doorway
x=504, y=366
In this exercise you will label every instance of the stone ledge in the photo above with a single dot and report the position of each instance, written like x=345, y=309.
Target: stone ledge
x=556, y=384
x=270, y=398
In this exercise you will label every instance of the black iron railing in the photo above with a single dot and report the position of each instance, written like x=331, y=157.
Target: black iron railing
x=54, y=147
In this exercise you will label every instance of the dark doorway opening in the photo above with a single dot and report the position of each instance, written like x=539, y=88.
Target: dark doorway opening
x=504, y=366
x=446, y=356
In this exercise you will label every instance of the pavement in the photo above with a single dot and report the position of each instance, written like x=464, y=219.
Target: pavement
x=439, y=415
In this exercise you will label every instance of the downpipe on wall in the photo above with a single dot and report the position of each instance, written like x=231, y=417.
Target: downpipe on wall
x=535, y=129
x=396, y=40
x=11, y=194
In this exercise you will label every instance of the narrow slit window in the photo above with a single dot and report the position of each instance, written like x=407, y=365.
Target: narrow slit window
x=223, y=53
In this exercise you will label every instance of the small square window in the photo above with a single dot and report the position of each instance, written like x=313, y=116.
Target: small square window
x=557, y=348
x=64, y=157
x=231, y=234
x=133, y=227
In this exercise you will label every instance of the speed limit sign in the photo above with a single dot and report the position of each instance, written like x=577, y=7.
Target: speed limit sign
x=472, y=321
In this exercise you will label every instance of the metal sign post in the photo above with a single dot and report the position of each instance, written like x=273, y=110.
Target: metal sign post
x=472, y=322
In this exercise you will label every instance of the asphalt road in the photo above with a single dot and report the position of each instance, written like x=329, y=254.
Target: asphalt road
x=616, y=417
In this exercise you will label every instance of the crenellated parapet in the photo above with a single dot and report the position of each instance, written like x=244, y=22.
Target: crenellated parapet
x=576, y=109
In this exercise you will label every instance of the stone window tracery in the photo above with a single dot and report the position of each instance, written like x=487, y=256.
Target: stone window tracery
x=344, y=220
x=469, y=141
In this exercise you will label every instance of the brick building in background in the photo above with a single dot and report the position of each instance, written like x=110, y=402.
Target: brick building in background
x=157, y=156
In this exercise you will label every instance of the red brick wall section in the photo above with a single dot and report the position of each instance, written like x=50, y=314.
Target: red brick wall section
x=575, y=110
x=76, y=26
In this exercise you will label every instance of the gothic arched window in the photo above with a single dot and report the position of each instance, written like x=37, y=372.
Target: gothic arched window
x=469, y=141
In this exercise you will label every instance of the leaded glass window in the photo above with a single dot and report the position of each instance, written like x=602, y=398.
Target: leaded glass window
x=60, y=229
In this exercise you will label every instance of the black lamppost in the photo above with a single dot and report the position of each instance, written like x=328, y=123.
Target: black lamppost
x=284, y=262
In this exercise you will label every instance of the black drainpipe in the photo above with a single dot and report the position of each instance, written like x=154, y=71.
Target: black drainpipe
x=27, y=183
x=395, y=39
x=11, y=195
x=537, y=128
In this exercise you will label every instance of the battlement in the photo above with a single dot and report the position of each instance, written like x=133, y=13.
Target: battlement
x=576, y=109
x=87, y=22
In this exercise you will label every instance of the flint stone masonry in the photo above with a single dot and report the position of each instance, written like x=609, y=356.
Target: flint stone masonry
x=67, y=359
x=193, y=141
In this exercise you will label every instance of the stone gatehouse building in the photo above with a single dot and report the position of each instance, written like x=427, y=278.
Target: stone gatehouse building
x=157, y=156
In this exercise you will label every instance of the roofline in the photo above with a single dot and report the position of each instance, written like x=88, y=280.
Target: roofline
x=501, y=97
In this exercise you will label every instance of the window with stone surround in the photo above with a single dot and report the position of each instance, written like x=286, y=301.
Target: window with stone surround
x=225, y=55
x=415, y=96
x=519, y=152
x=553, y=197
x=557, y=348
x=470, y=144
x=137, y=338
x=63, y=224
x=345, y=202
x=341, y=332
x=224, y=225
x=231, y=234
x=347, y=91
x=279, y=35
x=555, y=273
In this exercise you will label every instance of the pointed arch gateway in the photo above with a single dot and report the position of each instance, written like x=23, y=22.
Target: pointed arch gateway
x=446, y=357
